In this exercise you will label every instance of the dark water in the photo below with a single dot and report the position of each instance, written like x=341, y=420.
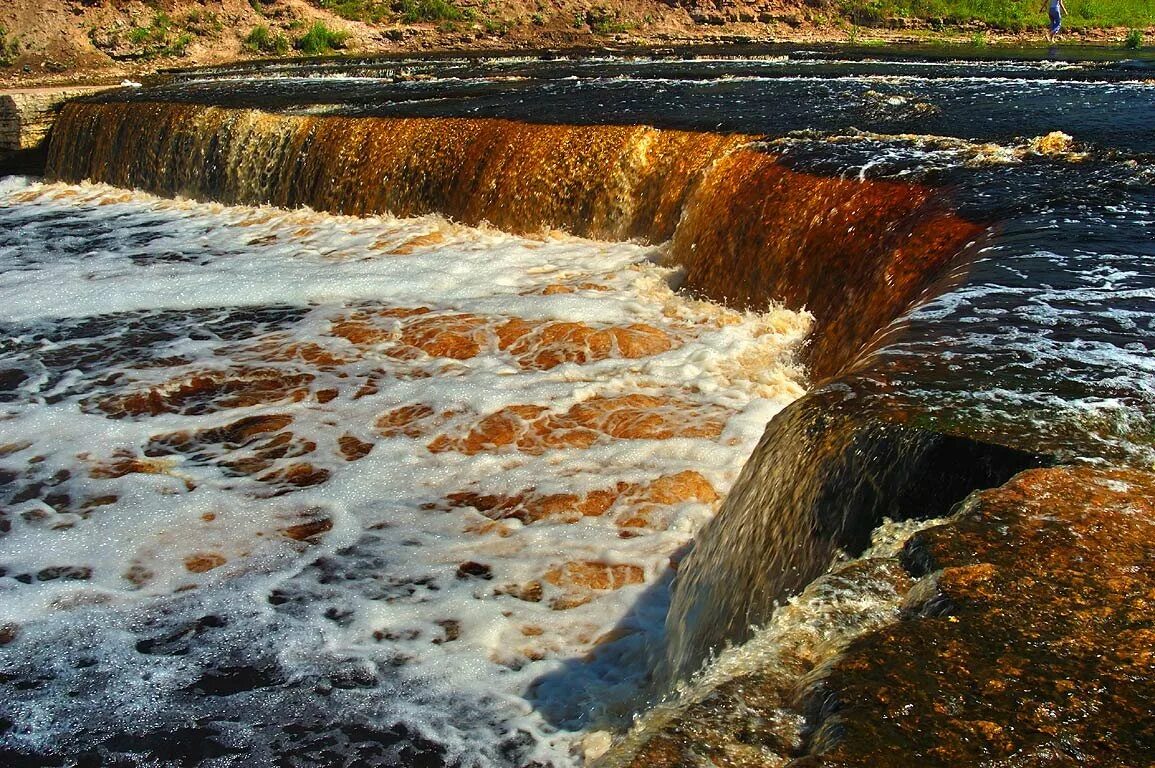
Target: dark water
x=1041, y=341
x=1104, y=102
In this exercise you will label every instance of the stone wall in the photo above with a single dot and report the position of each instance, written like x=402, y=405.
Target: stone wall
x=26, y=117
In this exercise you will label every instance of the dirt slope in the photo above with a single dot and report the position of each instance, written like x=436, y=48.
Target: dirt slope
x=103, y=37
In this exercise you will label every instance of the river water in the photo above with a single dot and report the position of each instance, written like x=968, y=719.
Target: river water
x=286, y=487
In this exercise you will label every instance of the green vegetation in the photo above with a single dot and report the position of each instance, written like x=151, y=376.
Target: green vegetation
x=9, y=47
x=1009, y=15
x=373, y=11
x=160, y=38
x=413, y=11
x=155, y=33
x=203, y=23
x=320, y=40
x=261, y=40
x=497, y=27
x=1134, y=39
x=979, y=40
x=604, y=21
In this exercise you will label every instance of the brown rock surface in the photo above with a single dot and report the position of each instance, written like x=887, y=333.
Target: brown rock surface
x=532, y=429
x=1029, y=642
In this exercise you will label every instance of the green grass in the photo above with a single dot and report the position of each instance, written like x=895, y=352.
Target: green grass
x=1008, y=15
x=413, y=11
x=319, y=40
x=373, y=11
x=160, y=38
x=605, y=21
x=155, y=34
x=9, y=48
x=261, y=40
x=1134, y=39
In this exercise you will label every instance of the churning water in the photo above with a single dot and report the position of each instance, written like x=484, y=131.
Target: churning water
x=284, y=483
x=291, y=487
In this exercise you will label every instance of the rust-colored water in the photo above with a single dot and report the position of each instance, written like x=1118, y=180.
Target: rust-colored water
x=854, y=253
x=748, y=230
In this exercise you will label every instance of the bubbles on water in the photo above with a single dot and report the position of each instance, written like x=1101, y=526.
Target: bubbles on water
x=341, y=490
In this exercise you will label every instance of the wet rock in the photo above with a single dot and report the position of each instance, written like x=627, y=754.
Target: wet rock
x=474, y=570
x=532, y=429
x=748, y=719
x=1028, y=643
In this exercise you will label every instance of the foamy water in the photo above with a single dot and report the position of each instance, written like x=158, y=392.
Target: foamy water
x=375, y=490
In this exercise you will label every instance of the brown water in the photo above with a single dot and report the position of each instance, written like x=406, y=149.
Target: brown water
x=746, y=229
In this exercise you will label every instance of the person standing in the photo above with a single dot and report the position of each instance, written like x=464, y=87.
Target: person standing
x=1055, y=9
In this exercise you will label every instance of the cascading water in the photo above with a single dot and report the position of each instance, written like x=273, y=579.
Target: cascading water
x=284, y=484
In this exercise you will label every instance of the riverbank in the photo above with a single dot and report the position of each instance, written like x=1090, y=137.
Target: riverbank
x=61, y=42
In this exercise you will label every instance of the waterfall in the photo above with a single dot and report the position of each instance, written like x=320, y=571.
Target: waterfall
x=747, y=229
x=825, y=474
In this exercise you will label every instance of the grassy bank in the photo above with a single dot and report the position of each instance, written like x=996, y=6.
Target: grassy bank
x=1004, y=15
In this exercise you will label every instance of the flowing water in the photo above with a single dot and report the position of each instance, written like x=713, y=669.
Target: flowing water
x=360, y=484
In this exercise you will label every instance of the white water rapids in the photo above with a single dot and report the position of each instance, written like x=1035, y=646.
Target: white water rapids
x=272, y=477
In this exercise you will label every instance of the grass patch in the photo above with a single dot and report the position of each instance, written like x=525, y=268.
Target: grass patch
x=372, y=11
x=9, y=48
x=604, y=21
x=319, y=40
x=261, y=40
x=497, y=27
x=1134, y=39
x=1008, y=15
x=413, y=11
x=160, y=38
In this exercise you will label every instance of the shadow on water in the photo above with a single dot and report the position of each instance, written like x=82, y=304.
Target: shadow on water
x=607, y=686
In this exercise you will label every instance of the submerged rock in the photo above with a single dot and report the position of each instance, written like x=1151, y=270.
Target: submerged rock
x=1026, y=638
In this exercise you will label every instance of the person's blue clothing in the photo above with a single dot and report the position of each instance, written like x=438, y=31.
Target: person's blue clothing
x=1056, y=19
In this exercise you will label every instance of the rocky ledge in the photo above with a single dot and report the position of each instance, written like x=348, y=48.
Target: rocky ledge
x=1026, y=638
x=26, y=118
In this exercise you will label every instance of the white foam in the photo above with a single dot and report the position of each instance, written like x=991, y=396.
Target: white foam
x=379, y=593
